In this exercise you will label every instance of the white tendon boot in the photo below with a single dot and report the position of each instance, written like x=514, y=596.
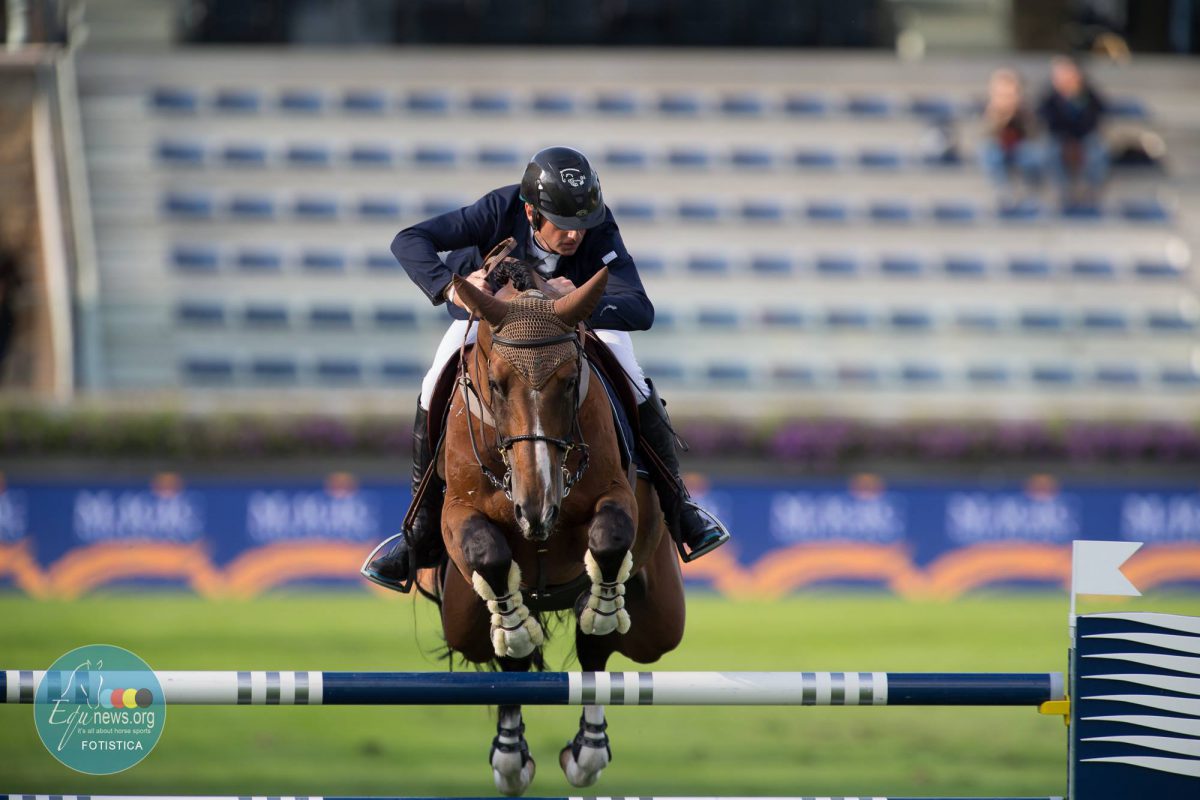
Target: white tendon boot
x=514, y=633
x=605, y=611
x=584, y=758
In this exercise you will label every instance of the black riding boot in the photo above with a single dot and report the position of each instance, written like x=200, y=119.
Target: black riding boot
x=394, y=563
x=695, y=531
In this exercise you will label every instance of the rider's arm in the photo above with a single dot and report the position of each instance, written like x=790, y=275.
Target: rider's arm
x=625, y=306
x=425, y=249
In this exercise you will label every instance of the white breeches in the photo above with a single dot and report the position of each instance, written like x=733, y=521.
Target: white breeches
x=618, y=341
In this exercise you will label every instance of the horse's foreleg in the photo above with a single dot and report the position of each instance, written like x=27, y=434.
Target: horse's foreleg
x=512, y=766
x=479, y=550
x=609, y=562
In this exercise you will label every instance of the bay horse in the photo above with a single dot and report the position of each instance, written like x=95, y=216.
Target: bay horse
x=538, y=506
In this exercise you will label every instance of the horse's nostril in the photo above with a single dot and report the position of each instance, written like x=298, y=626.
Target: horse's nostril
x=551, y=516
x=520, y=512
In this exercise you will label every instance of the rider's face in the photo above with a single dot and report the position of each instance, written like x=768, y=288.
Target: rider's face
x=555, y=239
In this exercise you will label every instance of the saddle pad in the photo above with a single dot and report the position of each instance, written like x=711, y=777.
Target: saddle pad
x=629, y=454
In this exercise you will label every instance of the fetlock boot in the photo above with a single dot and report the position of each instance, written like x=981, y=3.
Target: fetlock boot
x=394, y=563
x=695, y=531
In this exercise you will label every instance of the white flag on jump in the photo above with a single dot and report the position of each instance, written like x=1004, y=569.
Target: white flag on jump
x=1096, y=568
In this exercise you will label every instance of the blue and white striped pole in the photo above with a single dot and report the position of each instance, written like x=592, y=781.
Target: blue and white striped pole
x=586, y=688
x=249, y=797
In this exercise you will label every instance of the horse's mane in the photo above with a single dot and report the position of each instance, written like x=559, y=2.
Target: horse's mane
x=514, y=272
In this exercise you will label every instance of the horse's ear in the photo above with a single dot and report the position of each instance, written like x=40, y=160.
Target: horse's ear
x=486, y=306
x=579, y=304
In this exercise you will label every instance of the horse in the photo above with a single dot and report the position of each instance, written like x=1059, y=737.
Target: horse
x=538, y=506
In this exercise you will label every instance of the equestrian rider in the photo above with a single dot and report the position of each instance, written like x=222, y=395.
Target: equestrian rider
x=558, y=219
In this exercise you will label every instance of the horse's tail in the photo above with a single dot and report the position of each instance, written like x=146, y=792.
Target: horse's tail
x=439, y=580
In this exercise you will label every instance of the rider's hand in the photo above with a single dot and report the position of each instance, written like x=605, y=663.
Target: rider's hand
x=563, y=286
x=478, y=279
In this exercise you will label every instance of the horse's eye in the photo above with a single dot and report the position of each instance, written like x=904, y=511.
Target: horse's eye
x=572, y=383
x=495, y=387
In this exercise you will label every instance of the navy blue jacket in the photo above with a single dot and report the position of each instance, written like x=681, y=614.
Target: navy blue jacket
x=465, y=236
x=1072, y=118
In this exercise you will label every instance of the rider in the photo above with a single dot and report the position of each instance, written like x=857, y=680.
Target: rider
x=558, y=219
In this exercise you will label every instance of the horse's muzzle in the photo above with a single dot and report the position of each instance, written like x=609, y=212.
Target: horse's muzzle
x=536, y=528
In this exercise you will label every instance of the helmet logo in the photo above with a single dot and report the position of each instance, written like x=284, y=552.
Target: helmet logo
x=572, y=177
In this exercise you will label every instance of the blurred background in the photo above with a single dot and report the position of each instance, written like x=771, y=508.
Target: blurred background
x=926, y=310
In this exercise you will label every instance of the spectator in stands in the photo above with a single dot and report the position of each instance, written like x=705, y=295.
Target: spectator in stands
x=1072, y=112
x=558, y=218
x=1009, y=144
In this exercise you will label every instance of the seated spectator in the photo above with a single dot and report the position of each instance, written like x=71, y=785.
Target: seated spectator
x=1009, y=145
x=1075, y=153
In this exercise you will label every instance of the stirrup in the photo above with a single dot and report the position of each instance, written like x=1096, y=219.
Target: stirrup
x=718, y=535
x=405, y=586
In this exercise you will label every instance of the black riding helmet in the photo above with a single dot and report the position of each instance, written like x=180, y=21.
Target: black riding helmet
x=561, y=184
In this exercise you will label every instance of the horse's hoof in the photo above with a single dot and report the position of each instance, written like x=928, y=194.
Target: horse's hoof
x=584, y=770
x=512, y=782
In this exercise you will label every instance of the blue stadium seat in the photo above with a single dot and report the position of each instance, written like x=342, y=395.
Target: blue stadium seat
x=965, y=266
x=955, y=211
x=763, y=211
x=498, y=156
x=890, y=211
x=680, y=103
x=252, y=206
x=724, y=318
x=364, y=101
x=978, y=320
x=771, y=265
x=848, y=318
x=237, y=101
x=259, y=259
x=331, y=317
x=783, y=317
x=752, y=158
x=708, y=265
x=435, y=206
x=1053, y=375
x=1117, y=375
x=794, y=375
x=371, y=155
x=806, y=105
x=174, y=100
x=315, y=207
x=381, y=261
x=1029, y=267
x=1027, y=210
x=266, y=315
x=900, y=266
x=1169, y=322
x=743, y=104
x=274, y=368
x=200, y=312
x=394, y=370
x=379, y=208
x=616, y=102
x=207, y=369
x=815, y=158
x=1105, y=320
x=395, y=317
x=635, y=210
x=195, y=258
x=827, y=211
x=863, y=376
x=1153, y=270
x=835, y=266
x=935, y=108
x=339, y=370
x=1179, y=377
x=429, y=155
x=309, y=155
x=490, y=103
x=1127, y=108
x=427, y=101
x=323, y=261
x=880, y=159
x=869, y=106
x=1093, y=267
x=181, y=153
x=626, y=156
x=1042, y=320
x=554, y=103
x=912, y=320
x=988, y=374
x=665, y=371
x=689, y=157
x=664, y=320
x=1082, y=212
x=921, y=374
x=699, y=210
x=301, y=101
x=650, y=264
x=244, y=154
x=188, y=205
x=1146, y=209
x=722, y=372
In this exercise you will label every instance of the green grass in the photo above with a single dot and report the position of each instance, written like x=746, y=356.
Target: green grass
x=442, y=751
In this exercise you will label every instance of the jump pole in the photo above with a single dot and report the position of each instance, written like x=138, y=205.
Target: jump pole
x=275, y=797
